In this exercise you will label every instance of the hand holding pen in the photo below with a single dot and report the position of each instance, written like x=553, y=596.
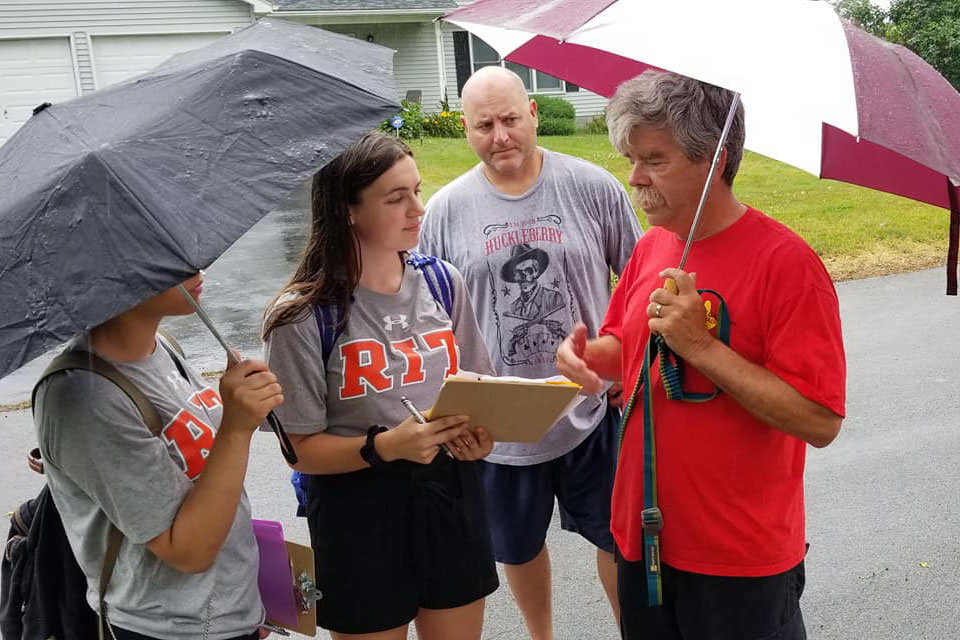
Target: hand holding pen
x=419, y=417
x=418, y=441
x=463, y=445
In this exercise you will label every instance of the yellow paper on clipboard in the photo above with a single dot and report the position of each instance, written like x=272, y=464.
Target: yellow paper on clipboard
x=511, y=409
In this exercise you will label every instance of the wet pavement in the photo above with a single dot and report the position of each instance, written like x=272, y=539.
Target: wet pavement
x=237, y=290
x=883, y=510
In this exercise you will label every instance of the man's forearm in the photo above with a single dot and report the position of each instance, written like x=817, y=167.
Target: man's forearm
x=766, y=396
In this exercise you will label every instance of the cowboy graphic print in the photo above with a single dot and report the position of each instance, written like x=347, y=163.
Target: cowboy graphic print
x=531, y=296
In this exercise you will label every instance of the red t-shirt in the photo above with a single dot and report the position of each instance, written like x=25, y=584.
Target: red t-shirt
x=730, y=487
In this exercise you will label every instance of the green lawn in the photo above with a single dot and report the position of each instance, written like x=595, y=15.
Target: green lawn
x=858, y=232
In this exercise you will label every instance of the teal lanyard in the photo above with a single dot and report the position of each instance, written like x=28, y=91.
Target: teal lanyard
x=671, y=373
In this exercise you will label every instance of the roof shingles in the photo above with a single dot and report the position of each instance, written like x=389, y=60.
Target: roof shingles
x=361, y=5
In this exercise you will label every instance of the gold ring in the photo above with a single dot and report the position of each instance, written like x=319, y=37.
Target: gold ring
x=659, y=307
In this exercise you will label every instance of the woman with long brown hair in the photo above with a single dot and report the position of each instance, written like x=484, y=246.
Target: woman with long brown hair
x=395, y=507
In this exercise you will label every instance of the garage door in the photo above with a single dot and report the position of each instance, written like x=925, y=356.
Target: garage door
x=117, y=58
x=31, y=72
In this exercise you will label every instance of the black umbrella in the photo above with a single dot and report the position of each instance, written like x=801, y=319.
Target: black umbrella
x=113, y=197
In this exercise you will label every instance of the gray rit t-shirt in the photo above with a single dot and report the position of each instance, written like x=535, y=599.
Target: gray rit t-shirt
x=103, y=465
x=535, y=265
x=393, y=345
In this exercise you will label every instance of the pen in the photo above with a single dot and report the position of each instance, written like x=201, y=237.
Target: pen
x=409, y=406
x=275, y=629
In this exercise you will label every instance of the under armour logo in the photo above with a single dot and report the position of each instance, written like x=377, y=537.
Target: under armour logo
x=177, y=380
x=389, y=322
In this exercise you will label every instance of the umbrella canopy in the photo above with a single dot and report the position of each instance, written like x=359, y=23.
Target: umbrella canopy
x=821, y=94
x=115, y=196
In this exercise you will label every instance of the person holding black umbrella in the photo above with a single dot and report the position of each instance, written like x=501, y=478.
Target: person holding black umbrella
x=187, y=566
x=365, y=327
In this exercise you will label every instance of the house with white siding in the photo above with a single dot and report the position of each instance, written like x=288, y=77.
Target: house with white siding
x=54, y=50
x=433, y=59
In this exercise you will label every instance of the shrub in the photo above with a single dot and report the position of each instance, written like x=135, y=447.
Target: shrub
x=445, y=124
x=557, y=127
x=557, y=116
x=597, y=124
x=553, y=107
x=412, y=122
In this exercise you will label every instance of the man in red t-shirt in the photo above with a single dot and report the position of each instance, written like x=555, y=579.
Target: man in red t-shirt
x=729, y=471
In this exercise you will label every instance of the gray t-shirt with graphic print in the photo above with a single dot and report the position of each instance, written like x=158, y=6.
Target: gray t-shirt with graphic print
x=103, y=465
x=393, y=345
x=535, y=265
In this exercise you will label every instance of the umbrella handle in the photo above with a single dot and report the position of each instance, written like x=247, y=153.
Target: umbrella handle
x=286, y=448
x=671, y=285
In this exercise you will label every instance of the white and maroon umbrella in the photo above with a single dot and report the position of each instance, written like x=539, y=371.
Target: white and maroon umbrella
x=821, y=94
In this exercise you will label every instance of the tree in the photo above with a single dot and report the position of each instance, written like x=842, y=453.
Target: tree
x=864, y=14
x=929, y=28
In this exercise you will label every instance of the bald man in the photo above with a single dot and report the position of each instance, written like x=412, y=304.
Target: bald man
x=536, y=234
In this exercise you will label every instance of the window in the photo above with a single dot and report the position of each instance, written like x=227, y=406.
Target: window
x=483, y=55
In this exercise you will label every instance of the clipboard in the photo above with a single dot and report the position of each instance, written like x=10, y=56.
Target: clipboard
x=511, y=409
x=286, y=580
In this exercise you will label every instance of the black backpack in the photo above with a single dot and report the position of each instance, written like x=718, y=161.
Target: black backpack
x=42, y=588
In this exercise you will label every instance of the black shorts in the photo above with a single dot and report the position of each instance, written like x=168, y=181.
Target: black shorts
x=697, y=606
x=391, y=540
x=123, y=634
x=520, y=498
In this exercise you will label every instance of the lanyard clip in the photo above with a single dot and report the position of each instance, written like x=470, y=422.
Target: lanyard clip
x=652, y=520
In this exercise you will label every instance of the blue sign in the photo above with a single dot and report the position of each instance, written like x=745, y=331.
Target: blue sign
x=396, y=121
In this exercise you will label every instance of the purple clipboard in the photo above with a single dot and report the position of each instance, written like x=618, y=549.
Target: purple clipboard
x=276, y=574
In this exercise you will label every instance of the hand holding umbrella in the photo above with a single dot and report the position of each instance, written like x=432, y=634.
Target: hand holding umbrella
x=286, y=447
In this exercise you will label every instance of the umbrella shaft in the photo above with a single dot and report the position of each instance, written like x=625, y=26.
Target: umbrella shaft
x=713, y=169
x=231, y=358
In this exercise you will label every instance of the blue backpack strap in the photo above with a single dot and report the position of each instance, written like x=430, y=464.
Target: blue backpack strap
x=299, y=482
x=438, y=278
x=329, y=324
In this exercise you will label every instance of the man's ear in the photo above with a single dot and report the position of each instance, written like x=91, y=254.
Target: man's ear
x=721, y=163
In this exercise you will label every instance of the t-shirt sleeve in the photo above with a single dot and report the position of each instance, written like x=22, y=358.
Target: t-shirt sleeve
x=613, y=320
x=804, y=342
x=621, y=230
x=431, y=240
x=473, y=352
x=294, y=354
x=94, y=434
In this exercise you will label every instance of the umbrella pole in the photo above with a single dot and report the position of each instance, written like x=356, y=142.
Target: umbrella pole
x=670, y=284
x=952, y=250
x=286, y=447
x=231, y=356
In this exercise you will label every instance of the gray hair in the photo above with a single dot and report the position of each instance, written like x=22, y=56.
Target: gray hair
x=693, y=111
